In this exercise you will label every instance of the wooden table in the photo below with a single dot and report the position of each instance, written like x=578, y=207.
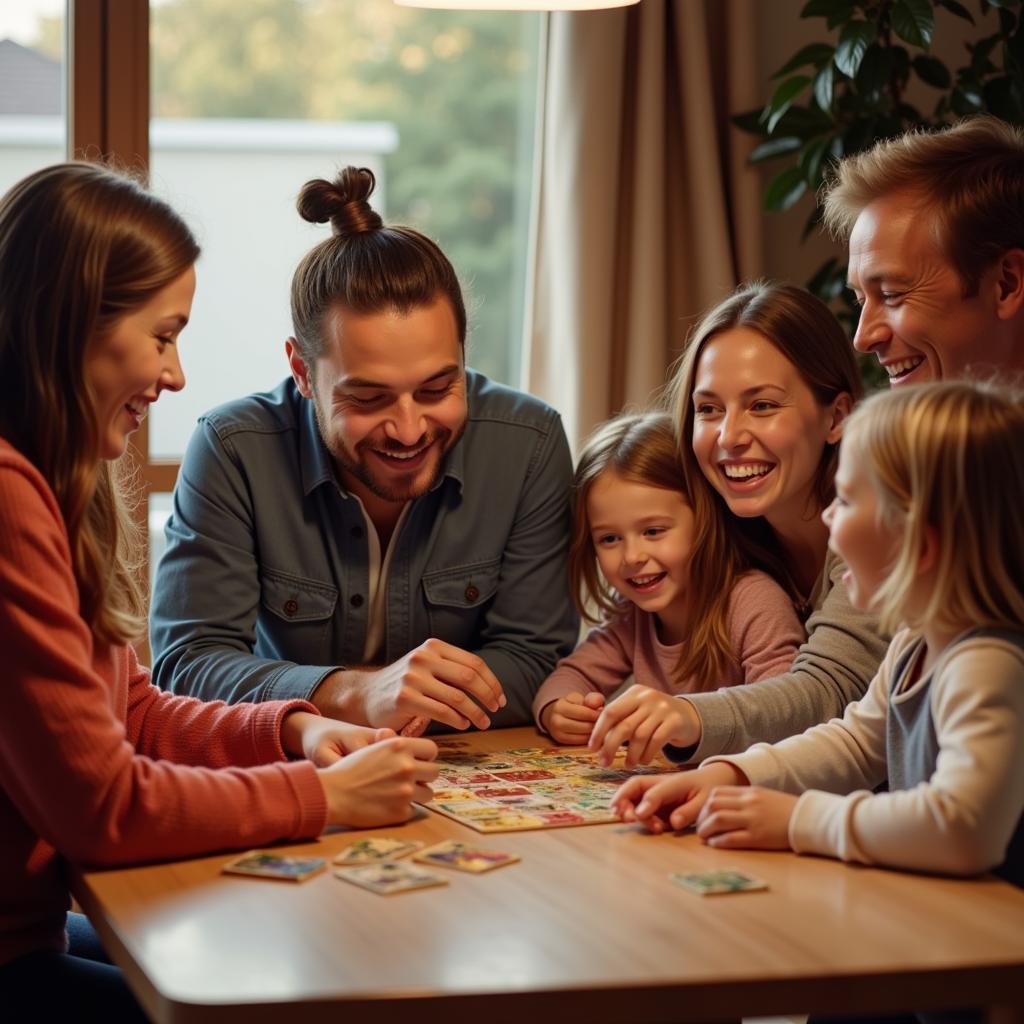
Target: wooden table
x=587, y=927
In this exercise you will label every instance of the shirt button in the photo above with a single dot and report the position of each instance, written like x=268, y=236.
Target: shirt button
x=472, y=593
x=291, y=606
x=356, y=531
x=356, y=600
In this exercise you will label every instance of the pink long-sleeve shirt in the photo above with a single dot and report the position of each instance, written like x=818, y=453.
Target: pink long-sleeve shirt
x=763, y=628
x=97, y=765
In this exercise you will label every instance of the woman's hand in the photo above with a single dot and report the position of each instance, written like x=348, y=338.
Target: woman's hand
x=647, y=719
x=325, y=740
x=377, y=784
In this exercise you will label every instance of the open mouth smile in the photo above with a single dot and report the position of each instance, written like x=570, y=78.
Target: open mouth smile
x=900, y=369
x=745, y=476
x=645, y=584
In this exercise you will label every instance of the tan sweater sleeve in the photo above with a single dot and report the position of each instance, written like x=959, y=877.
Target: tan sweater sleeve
x=959, y=821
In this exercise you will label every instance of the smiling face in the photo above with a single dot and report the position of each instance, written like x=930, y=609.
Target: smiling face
x=759, y=433
x=390, y=397
x=643, y=537
x=856, y=533
x=127, y=367
x=915, y=318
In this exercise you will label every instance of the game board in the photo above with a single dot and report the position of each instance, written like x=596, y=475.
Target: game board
x=516, y=790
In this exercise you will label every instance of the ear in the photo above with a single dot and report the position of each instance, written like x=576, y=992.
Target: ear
x=842, y=406
x=300, y=369
x=1010, y=284
x=929, y=555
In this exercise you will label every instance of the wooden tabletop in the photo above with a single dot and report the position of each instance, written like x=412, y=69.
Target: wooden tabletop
x=587, y=926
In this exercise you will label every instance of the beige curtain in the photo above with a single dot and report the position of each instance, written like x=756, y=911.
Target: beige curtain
x=644, y=210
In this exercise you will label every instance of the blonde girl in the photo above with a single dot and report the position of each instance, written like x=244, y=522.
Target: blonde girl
x=680, y=613
x=928, y=519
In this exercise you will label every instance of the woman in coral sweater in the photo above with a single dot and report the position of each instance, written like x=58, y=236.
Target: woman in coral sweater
x=96, y=765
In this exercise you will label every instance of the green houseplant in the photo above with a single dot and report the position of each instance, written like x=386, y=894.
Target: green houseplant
x=839, y=96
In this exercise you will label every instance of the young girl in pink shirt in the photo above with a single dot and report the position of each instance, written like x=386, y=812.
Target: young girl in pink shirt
x=96, y=765
x=681, y=614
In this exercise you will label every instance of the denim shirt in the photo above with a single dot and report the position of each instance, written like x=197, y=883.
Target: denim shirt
x=262, y=590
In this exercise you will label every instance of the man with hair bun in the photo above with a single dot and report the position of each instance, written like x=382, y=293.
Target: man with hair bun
x=935, y=225
x=385, y=533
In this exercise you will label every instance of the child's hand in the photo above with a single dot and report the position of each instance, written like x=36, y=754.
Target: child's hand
x=662, y=802
x=570, y=718
x=746, y=817
x=377, y=784
x=647, y=719
x=325, y=740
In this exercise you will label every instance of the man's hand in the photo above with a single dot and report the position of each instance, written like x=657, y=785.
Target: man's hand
x=746, y=817
x=661, y=802
x=436, y=681
x=325, y=740
x=569, y=719
x=647, y=719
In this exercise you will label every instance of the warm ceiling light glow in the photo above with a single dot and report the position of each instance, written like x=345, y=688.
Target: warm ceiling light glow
x=518, y=5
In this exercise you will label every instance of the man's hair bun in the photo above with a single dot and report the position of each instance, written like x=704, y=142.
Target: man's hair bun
x=343, y=202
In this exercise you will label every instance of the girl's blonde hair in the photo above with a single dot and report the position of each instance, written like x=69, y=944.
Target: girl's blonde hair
x=642, y=448
x=948, y=457
x=803, y=329
x=81, y=247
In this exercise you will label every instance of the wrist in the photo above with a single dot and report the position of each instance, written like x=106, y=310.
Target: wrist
x=688, y=730
x=338, y=696
x=545, y=714
x=293, y=727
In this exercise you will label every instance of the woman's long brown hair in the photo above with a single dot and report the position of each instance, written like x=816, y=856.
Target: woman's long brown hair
x=81, y=246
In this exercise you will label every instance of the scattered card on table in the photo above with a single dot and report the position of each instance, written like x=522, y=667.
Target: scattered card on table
x=375, y=849
x=274, y=865
x=464, y=857
x=390, y=876
x=712, y=883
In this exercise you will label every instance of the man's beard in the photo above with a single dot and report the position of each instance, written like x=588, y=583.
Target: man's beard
x=357, y=463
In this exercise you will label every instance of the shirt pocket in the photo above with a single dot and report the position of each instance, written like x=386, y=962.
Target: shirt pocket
x=295, y=615
x=457, y=599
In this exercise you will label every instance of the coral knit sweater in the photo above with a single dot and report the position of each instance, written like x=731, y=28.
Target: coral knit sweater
x=97, y=766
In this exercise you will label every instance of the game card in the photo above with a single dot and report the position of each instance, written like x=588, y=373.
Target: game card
x=390, y=876
x=273, y=865
x=464, y=857
x=372, y=849
x=713, y=883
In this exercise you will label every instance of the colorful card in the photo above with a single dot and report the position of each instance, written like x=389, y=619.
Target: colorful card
x=274, y=865
x=712, y=883
x=390, y=876
x=464, y=857
x=373, y=849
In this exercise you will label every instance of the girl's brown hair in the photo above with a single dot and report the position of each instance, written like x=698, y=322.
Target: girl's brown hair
x=81, y=246
x=803, y=329
x=642, y=448
x=364, y=266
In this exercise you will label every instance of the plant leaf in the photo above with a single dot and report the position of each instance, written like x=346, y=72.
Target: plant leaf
x=783, y=98
x=773, y=148
x=874, y=70
x=958, y=9
x=749, y=121
x=784, y=189
x=810, y=160
x=914, y=21
x=823, y=88
x=854, y=40
x=932, y=71
x=965, y=100
x=813, y=53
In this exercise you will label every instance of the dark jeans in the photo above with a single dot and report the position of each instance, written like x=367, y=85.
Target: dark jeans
x=81, y=985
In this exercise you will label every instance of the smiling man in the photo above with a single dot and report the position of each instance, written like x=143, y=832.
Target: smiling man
x=935, y=224
x=385, y=533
